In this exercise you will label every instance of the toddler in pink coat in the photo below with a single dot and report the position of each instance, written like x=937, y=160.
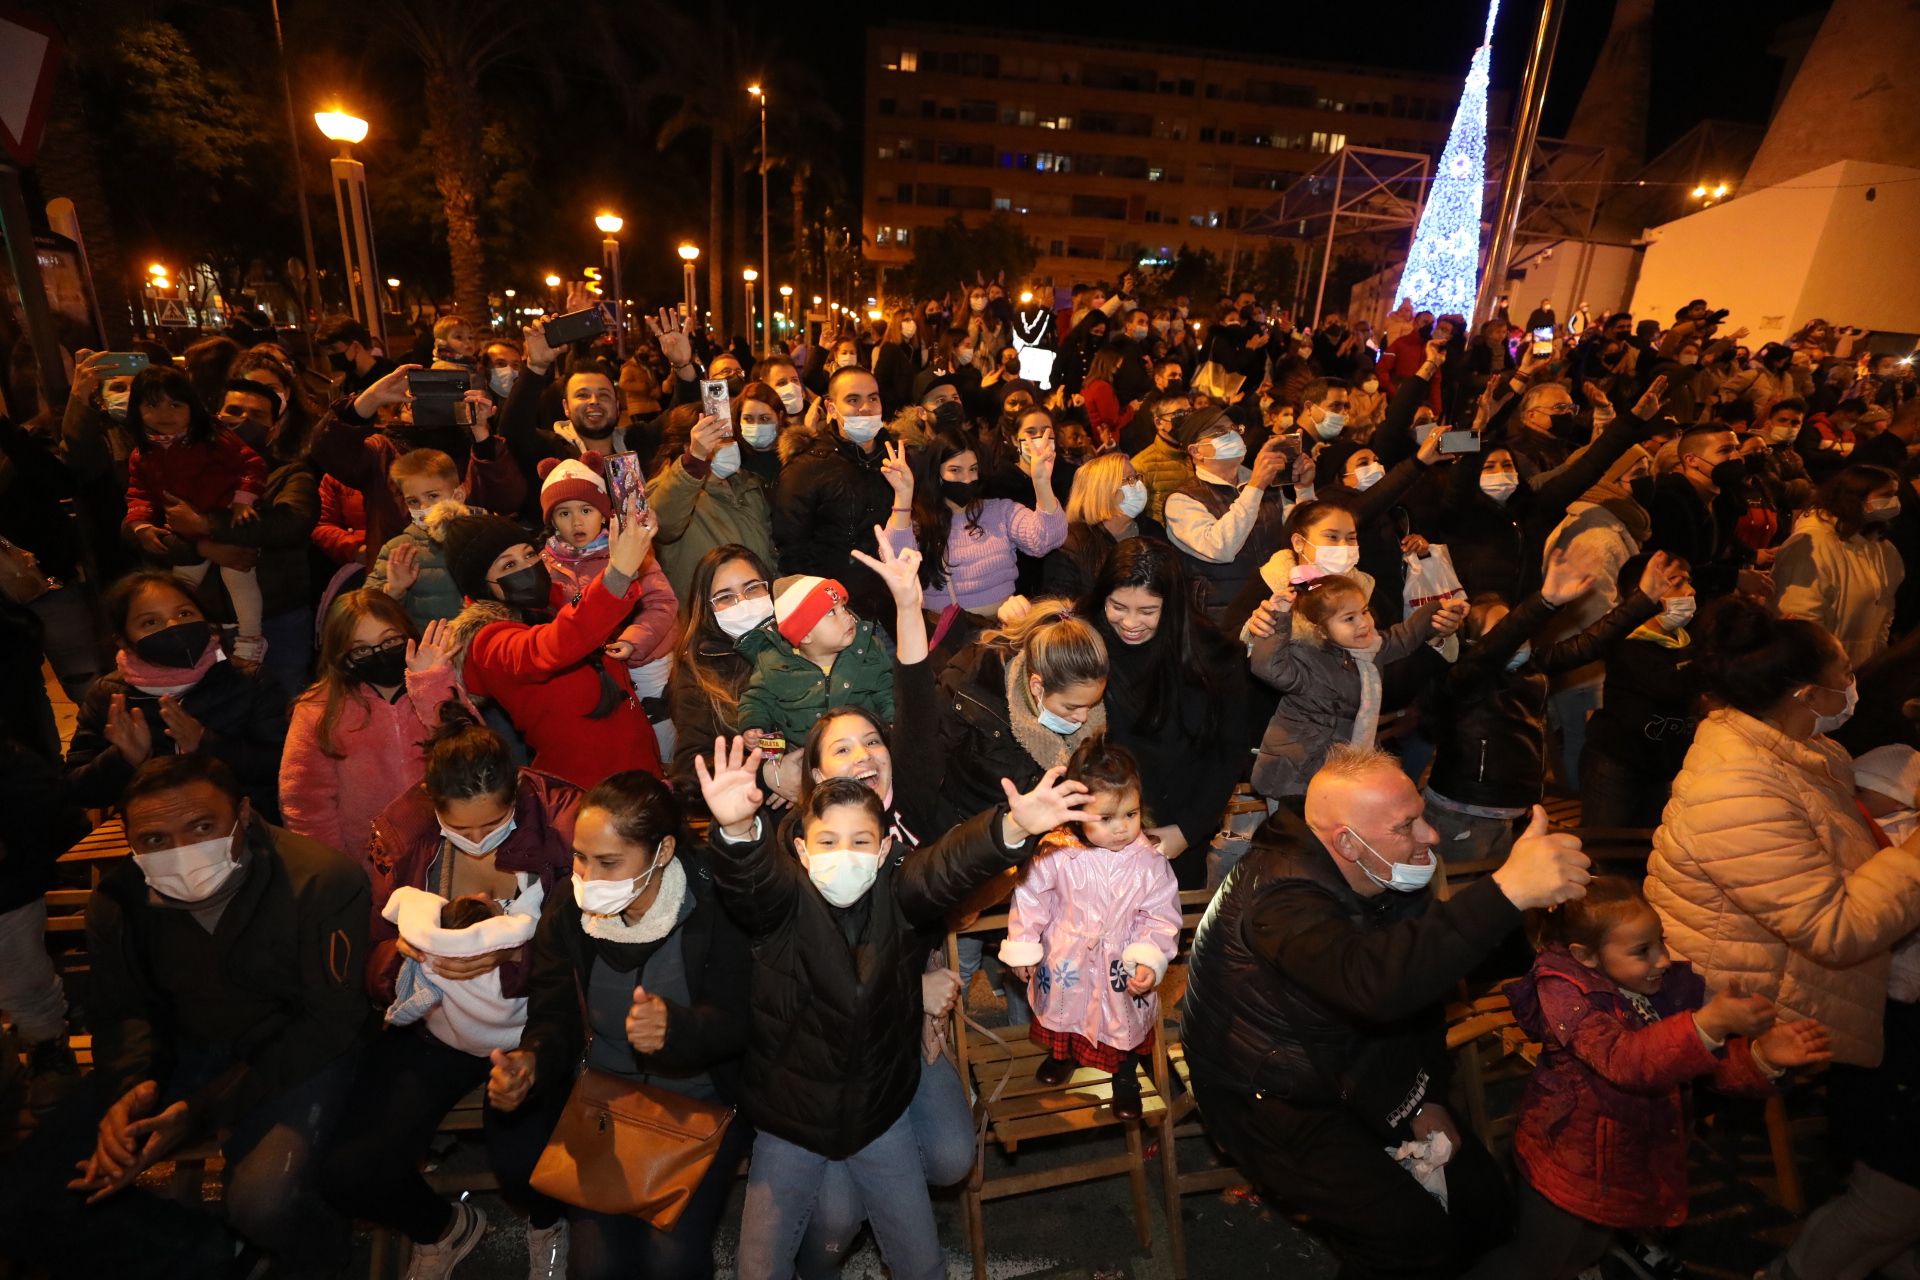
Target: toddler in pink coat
x=1094, y=924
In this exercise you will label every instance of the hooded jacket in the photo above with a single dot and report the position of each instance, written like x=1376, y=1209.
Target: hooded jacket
x=1847, y=585
x=433, y=594
x=829, y=497
x=1764, y=872
x=699, y=511
x=788, y=691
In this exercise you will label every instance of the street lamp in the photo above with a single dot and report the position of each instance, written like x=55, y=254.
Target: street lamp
x=356, y=217
x=749, y=275
x=766, y=236
x=786, y=302
x=609, y=225
x=689, y=254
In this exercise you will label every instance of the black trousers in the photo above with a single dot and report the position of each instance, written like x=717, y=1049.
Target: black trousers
x=1548, y=1243
x=1378, y=1221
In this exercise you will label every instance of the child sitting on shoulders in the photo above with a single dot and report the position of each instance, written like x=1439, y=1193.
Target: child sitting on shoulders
x=1603, y=1128
x=817, y=654
x=1095, y=922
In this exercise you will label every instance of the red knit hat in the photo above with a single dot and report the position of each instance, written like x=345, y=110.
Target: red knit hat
x=573, y=480
x=800, y=601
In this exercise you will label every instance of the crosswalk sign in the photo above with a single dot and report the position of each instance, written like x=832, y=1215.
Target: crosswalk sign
x=173, y=315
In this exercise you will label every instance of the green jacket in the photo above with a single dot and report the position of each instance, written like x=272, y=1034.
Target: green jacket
x=700, y=512
x=786, y=692
x=1165, y=468
x=434, y=595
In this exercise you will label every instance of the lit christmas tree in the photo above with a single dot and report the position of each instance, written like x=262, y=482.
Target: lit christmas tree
x=1443, y=266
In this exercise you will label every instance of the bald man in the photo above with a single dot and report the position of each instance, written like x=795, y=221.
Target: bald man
x=1314, y=1023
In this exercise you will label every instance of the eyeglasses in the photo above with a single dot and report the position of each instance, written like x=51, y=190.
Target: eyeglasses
x=361, y=652
x=755, y=590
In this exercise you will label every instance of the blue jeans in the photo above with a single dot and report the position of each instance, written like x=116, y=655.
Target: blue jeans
x=785, y=1185
x=289, y=660
x=1568, y=710
x=974, y=956
x=942, y=1120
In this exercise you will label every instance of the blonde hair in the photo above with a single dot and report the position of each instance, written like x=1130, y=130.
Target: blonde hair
x=446, y=325
x=1096, y=489
x=1060, y=648
x=416, y=463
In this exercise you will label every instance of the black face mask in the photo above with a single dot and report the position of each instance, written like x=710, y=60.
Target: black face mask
x=1011, y=365
x=528, y=589
x=1564, y=426
x=1641, y=488
x=960, y=492
x=1731, y=476
x=385, y=667
x=1173, y=388
x=338, y=360
x=950, y=414
x=179, y=645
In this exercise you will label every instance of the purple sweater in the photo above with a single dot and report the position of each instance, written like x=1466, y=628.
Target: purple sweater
x=981, y=565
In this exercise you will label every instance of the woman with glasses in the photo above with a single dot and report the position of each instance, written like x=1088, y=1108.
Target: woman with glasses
x=729, y=594
x=715, y=493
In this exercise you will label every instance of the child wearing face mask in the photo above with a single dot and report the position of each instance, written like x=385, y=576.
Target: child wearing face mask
x=1094, y=924
x=1489, y=713
x=1325, y=657
x=412, y=567
x=1603, y=1128
x=841, y=927
x=816, y=654
x=576, y=506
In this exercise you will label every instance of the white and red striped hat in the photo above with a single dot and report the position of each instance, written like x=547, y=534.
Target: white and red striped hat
x=800, y=601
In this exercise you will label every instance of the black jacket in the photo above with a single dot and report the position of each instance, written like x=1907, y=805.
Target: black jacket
x=245, y=717
x=1303, y=991
x=1648, y=710
x=278, y=982
x=1684, y=525
x=698, y=717
x=1069, y=569
x=43, y=822
x=829, y=497
x=709, y=1036
x=834, y=1056
x=1490, y=724
x=976, y=737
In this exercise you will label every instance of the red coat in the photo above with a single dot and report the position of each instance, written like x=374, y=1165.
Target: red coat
x=208, y=477
x=1604, y=1125
x=1105, y=414
x=342, y=532
x=406, y=838
x=551, y=677
x=1409, y=352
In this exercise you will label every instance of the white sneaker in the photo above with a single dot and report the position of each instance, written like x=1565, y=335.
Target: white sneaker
x=248, y=651
x=547, y=1251
x=436, y=1261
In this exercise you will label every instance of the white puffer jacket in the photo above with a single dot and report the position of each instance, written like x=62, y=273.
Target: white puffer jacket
x=1764, y=872
x=1844, y=584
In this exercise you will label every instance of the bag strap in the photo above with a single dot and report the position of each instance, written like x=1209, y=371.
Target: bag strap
x=586, y=1022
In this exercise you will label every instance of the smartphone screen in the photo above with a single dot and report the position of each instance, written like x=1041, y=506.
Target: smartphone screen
x=118, y=364
x=1543, y=341
x=626, y=485
x=1460, y=442
x=714, y=401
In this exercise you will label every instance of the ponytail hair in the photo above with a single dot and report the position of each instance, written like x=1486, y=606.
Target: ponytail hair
x=1587, y=921
x=466, y=759
x=1060, y=647
x=1105, y=767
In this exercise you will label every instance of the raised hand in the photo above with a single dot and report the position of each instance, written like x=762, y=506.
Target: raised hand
x=1269, y=464
x=433, y=649
x=1570, y=574
x=511, y=1078
x=629, y=540
x=480, y=406
x=1661, y=578
x=674, y=334
x=391, y=389
x=1649, y=403
x=1052, y=803
x=1430, y=454
x=900, y=570
x=707, y=436
x=1597, y=397
x=128, y=731
x=403, y=570
x=185, y=731
x=1450, y=617
x=1544, y=868
x=731, y=785
x=647, y=1022
x=898, y=474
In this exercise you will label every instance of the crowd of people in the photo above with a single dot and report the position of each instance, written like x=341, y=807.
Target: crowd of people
x=641, y=727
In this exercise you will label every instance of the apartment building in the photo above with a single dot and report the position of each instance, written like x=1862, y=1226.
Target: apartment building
x=1106, y=152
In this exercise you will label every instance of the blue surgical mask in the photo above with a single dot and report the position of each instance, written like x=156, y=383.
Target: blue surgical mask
x=1133, y=498
x=759, y=434
x=1056, y=724
x=861, y=428
x=1406, y=877
x=1229, y=448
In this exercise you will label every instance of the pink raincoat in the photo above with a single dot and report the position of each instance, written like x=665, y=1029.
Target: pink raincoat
x=1084, y=917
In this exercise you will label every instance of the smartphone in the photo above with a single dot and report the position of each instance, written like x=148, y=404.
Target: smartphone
x=626, y=485
x=565, y=330
x=119, y=364
x=1459, y=442
x=1543, y=341
x=439, y=397
x=714, y=401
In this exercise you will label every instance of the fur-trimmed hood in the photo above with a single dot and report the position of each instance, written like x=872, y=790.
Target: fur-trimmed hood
x=467, y=623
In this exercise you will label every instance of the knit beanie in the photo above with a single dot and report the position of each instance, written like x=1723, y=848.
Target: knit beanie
x=801, y=600
x=473, y=543
x=573, y=480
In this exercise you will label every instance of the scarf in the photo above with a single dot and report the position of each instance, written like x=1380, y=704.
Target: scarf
x=654, y=923
x=565, y=552
x=1653, y=634
x=1611, y=492
x=151, y=677
x=1046, y=747
x=1367, y=720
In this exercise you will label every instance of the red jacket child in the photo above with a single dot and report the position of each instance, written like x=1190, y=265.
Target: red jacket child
x=1604, y=1124
x=209, y=477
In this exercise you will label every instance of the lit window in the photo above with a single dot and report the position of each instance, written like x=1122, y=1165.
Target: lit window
x=886, y=153
x=1339, y=140
x=1004, y=204
x=903, y=235
x=883, y=236
x=1066, y=122
x=909, y=60
x=1043, y=162
x=1156, y=175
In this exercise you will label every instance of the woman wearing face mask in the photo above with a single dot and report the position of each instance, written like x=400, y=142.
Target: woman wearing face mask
x=1357, y=478
x=1108, y=506
x=173, y=692
x=1639, y=735
x=1106, y=414
x=729, y=594
x=474, y=826
x=1838, y=569
x=899, y=356
x=572, y=703
x=664, y=975
x=718, y=491
x=1366, y=404
x=354, y=738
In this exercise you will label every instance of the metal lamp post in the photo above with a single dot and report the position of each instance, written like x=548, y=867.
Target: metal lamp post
x=749, y=275
x=610, y=224
x=766, y=236
x=356, y=219
x=689, y=254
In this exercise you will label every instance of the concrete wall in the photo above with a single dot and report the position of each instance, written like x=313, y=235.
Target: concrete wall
x=1601, y=275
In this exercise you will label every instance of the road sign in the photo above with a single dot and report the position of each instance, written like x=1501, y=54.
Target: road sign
x=29, y=57
x=173, y=315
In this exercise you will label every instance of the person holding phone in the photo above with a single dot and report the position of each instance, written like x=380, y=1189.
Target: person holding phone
x=1228, y=519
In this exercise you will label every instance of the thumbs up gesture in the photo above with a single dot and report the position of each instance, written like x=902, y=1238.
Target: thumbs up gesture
x=647, y=1022
x=1545, y=868
x=510, y=1079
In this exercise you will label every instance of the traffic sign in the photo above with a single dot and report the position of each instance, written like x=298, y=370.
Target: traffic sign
x=29, y=57
x=173, y=315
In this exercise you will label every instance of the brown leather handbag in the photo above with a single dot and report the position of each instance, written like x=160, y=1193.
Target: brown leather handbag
x=629, y=1148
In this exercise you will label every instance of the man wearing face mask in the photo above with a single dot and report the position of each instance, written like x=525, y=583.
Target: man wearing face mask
x=1683, y=523
x=1227, y=519
x=831, y=493
x=1314, y=1014
x=707, y=497
x=502, y=363
x=226, y=999
x=349, y=349
x=1774, y=375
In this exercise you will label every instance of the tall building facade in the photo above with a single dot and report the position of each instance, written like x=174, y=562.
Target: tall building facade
x=1104, y=153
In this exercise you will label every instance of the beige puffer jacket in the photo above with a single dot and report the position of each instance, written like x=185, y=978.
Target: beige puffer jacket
x=1764, y=872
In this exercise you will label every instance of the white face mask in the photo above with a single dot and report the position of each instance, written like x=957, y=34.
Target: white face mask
x=793, y=397
x=1406, y=877
x=1499, y=485
x=1689, y=360
x=1364, y=478
x=485, y=844
x=115, y=404
x=1880, y=509
x=1133, y=498
x=1829, y=724
x=739, y=618
x=190, y=872
x=861, y=428
x=1330, y=426
x=1336, y=559
x=1228, y=447
x=502, y=380
x=759, y=434
x=1676, y=612
x=726, y=459
x=843, y=876
x=908, y=328
x=610, y=897
x=965, y=355
x=846, y=361
x=1781, y=434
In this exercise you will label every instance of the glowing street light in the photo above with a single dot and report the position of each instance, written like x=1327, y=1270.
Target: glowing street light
x=552, y=281
x=1699, y=193
x=341, y=127
x=1720, y=192
x=158, y=269
x=609, y=223
x=689, y=254
x=393, y=282
x=749, y=275
x=356, y=217
x=512, y=293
